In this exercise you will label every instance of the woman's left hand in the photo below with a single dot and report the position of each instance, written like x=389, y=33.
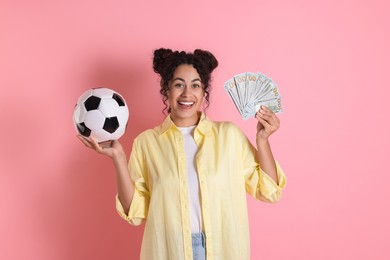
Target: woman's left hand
x=267, y=123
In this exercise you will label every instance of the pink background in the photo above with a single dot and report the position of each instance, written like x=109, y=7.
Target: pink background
x=329, y=58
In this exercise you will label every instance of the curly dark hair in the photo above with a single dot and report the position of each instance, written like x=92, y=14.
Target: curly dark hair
x=165, y=61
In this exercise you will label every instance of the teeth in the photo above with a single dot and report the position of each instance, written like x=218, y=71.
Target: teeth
x=186, y=103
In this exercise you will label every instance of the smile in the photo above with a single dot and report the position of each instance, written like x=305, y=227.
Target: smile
x=186, y=103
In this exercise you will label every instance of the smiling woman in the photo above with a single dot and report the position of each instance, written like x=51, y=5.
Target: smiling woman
x=166, y=62
x=185, y=96
x=188, y=177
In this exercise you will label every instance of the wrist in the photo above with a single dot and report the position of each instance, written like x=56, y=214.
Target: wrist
x=262, y=141
x=119, y=157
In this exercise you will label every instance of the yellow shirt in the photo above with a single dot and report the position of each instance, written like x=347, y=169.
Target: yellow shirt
x=226, y=169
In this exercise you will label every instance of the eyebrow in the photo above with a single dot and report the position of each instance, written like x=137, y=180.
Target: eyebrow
x=197, y=79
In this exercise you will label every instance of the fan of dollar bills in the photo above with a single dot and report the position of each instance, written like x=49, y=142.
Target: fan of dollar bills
x=250, y=90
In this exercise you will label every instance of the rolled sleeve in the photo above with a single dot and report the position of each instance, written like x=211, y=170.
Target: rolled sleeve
x=262, y=187
x=267, y=189
x=137, y=212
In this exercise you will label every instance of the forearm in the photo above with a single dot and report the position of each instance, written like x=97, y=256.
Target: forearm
x=266, y=159
x=125, y=185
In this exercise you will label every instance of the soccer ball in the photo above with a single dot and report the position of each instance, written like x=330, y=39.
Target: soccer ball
x=101, y=113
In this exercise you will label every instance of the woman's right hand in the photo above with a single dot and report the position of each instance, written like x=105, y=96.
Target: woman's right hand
x=112, y=149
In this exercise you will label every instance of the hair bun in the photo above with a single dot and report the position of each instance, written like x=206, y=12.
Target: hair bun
x=208, y=59
x=159, y=58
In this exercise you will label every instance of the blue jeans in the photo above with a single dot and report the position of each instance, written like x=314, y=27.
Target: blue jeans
x=199, y=246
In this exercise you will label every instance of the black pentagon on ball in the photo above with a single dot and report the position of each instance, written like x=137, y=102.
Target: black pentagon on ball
x=119, y=100
x=83, y=129
x=111, y=124
x=92, y=103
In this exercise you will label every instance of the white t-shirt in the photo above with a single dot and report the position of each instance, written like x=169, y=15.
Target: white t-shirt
x=191, y=149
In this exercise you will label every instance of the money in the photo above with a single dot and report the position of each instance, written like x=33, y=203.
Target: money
x=249, y=91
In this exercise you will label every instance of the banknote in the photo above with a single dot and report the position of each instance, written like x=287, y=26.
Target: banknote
x=249, y=91
x=231, y=89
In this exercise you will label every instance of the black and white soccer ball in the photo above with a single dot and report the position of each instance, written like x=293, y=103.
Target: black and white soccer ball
x=101, y=113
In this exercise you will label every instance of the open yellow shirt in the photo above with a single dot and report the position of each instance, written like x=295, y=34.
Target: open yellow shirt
x=227, y=169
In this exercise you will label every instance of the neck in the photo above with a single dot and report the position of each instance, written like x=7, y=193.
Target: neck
x=184, y=122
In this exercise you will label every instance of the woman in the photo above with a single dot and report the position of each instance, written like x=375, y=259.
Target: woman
x=188, y=177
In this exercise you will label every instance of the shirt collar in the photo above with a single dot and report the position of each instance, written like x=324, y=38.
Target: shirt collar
x=204, y=125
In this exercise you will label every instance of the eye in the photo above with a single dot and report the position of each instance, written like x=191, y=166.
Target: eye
x=196, y=86
x=179, y=85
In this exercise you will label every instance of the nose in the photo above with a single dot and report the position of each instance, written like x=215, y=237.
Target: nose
x=186, y=91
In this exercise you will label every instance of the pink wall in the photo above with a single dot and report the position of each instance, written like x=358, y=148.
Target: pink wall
x=330, y=59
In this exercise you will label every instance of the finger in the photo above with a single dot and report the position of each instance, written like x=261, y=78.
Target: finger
x=96, y=145
x=266, y=117
x=266, y=110
x=267, y=114
x=85, y=141
x=273, y=124
x=107, y=144
x=270, y=125
x=270, y=117
x=258, y=115
x=270, y=112
x=264, y=123
x=116, y=144
x=259, y=124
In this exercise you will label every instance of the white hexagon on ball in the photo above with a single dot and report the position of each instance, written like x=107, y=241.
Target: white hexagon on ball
x=101, y=113
x=109, y=107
